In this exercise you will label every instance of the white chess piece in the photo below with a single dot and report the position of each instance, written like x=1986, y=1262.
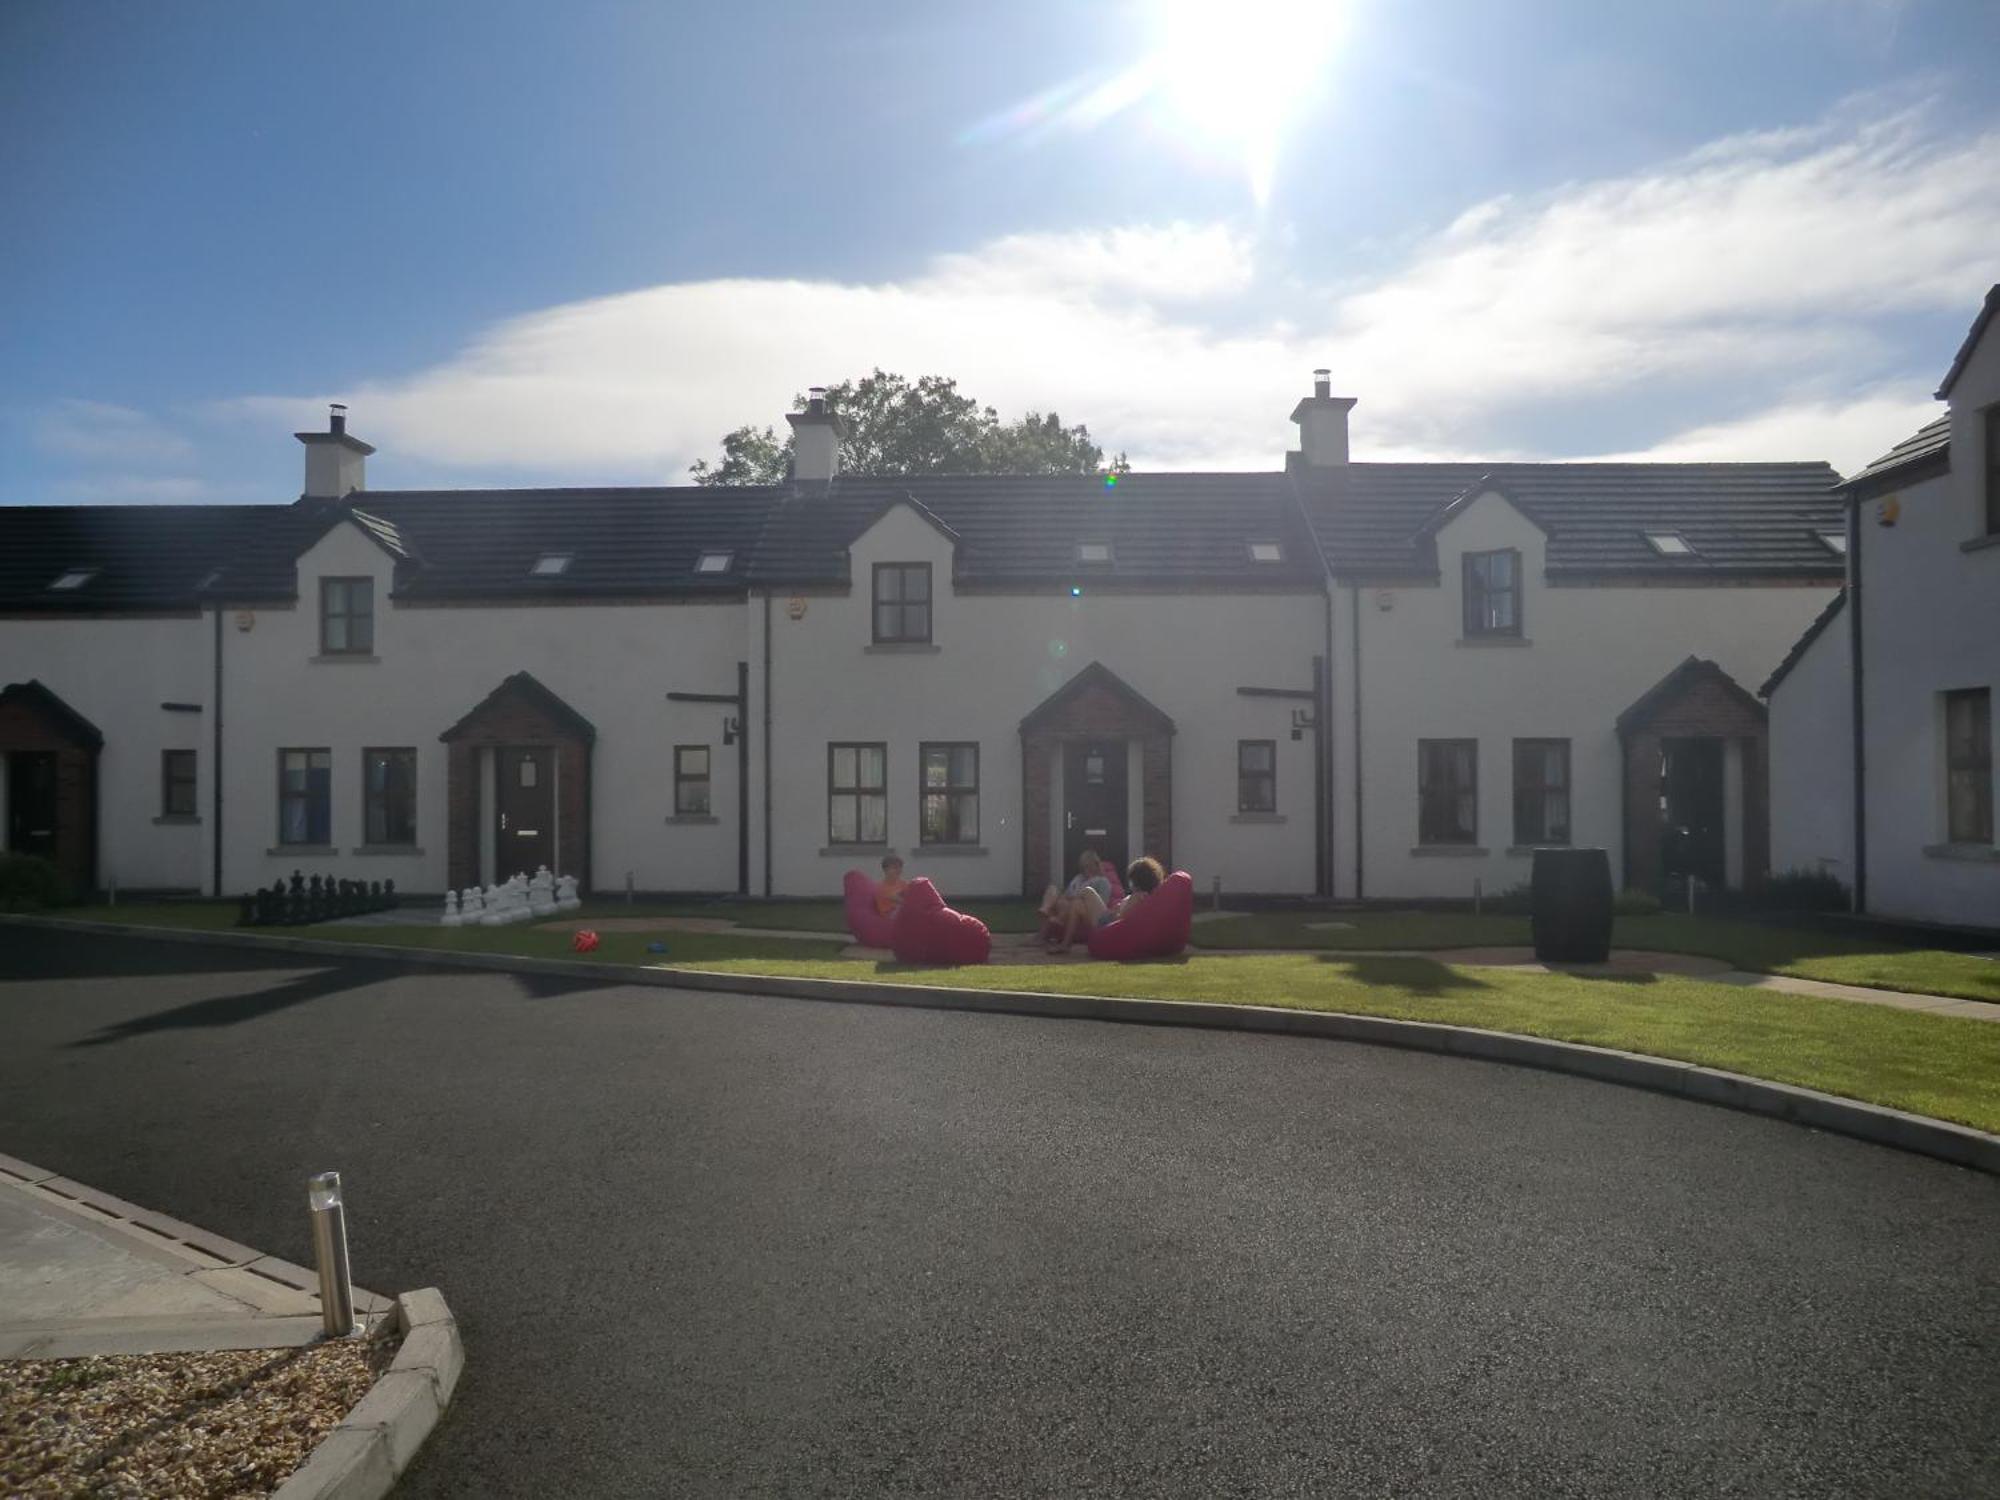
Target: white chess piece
x=566, y=897
x=471, y=907
x=517, y=899
x=451, y=917
x=496, y=915
x=541, y=894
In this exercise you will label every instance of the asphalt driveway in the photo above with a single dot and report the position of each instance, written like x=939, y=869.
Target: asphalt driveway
x=714, y=1245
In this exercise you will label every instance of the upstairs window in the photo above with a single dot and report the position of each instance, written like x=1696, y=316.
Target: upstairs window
x=1256, y=776
x=1493, y=593
x=1968, y=761
x=1266, y=552
x=1834, y=542
x=1993, y=470
x=950, y=793
x=1093, y=552
x=72, y=580
x=691, y=781
x=714, y=562
x=1447, y=791
x=1670, y=544
x=902, y=604
x=550, y=565
x=346, y=616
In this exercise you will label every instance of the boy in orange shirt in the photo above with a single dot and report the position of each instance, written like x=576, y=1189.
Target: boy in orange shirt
x=889, y=894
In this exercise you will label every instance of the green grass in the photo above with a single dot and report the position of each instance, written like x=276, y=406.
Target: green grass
x=1002, y=914
x=1941, y=1066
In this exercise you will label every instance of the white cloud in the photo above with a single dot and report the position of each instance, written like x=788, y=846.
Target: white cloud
x=1769, y=260
x=1846, y=433
x=100, y=432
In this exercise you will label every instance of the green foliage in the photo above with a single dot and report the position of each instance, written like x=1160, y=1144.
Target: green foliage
x=1802, y=890
x=29, y=883
x=1635, y=903
x=929, y=427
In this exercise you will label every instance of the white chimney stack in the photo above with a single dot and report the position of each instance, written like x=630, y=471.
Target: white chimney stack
x=336, y=464
x=816, y=435
x=1322, y=419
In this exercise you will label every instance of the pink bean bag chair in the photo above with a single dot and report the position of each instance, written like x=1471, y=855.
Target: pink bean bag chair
x=869, y=926
x=1159, y=927
x=929, y=932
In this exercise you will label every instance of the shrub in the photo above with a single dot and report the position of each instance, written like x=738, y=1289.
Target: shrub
x=1802, y=890
x=28, y=882
x=1635, y=903
x=1515, y=901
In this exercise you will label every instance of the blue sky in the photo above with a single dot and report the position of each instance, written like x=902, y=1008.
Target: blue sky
x=536, y=243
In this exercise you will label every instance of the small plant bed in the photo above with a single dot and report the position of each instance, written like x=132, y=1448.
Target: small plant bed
x=1941, y=1066
x=176, y=1426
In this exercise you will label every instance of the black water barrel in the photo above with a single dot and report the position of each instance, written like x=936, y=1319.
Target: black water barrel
x=1572, y=906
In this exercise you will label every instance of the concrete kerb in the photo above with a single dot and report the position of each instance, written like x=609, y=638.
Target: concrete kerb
x=364, y=1456
x=1958, y=1144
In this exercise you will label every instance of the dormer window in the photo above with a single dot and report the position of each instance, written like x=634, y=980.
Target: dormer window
x=1834, y=541
x=73, y=580
x=1492, y=593
x=1670, y=544
x=1093, y=552
x=1266, y=552
x=714, y=562
x=551, y=565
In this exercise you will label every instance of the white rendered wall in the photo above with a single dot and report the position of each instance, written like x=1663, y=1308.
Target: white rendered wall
x=614, y=664
x=1589, y=653
x=997, y=658
x=1931, y=623
x=1812, y=760
x=117, y=671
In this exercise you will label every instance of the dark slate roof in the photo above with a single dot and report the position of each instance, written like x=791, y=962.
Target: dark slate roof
x=1803, y=644
x=1964, y=356
x=1670, y=687
x=147, y=557
x=1743, y=520
x=1924, y=454
x=1018, y=530
x=524, y=685
x=1097, y=675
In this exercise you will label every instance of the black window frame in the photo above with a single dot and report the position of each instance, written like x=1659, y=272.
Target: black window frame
x=1478, y=590
x=1970, y=821
x=348, y=615
x=305, y=795
x=1247, y=778
x=1428, y=820
x=858, y=791
x=370, y=795
x=903, y=634
x=184, y=782
x=950, y=794
x=686, y=780
x=1534, y=833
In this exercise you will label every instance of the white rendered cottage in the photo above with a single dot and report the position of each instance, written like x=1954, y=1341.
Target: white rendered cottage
x=1900, y=746
x=1336, y=678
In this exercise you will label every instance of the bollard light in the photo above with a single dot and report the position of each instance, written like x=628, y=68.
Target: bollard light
x=336, y=1286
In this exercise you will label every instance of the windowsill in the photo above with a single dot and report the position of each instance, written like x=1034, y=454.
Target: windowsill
x=302, y=851
x=1974, y=854
x=950, y=851
x=851, y=851
x=1449, y=851
x=342, y=658
x=1980, y=543
x=692, y=818
x=1257, y=817
x=390, y=851
x=176, y=820
x=902, y=648
x=1518, y=850
x=1493, y=640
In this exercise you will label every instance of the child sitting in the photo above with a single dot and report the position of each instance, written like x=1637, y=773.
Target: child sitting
x=889, y=894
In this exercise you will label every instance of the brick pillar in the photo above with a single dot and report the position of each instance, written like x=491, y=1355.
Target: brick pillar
x=1156, y=798
x=1642, y=812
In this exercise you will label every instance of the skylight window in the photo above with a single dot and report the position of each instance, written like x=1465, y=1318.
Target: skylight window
x=1834, y=541
x=550, y=565
x=74, y=579
x=714, y=562
x=1670, y=544
x=1266, y=552
x=1093, y=552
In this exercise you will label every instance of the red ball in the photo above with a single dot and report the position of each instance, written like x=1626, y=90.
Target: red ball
x=584, y=942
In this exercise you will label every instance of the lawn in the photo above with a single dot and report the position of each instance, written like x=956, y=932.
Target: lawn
x=1941, y=1066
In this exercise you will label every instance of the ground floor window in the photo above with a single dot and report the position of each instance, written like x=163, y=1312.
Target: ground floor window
x=389, y=796
x=1256, y=776
x=950, y=793
x=1968, y=740
x=177, y=780
x=305, y=796
x=691, y=781
x=1447, y=791
x=1541, y=791
x=857, y=794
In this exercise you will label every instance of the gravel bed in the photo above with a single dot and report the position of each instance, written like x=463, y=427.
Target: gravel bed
x=176, y=1426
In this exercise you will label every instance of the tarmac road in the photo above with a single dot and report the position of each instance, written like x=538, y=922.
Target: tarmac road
x=723, y=1245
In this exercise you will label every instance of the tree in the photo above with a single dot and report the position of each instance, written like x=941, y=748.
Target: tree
x=896, y=427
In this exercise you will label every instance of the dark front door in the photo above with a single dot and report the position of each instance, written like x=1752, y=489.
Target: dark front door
x=525, y=801
x=1094, y=802
x=1691, y=806
x=31, y=803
